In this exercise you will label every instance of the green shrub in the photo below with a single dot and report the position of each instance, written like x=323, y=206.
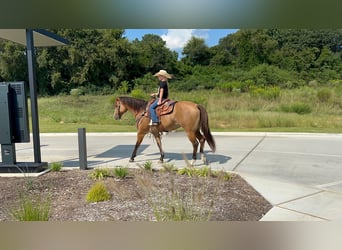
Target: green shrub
x=121, y=172
x=100, y=173
x=145, y=85
x=264, y=74
x=225, y=176
x=324, y=94
x=123, y=90
x=76, y=92
x=270, y=93
x=32, y=210
x=147, y=165
x=204, y=171
x=139, y=93
x=98, y=192
x=189, y=171
x=299, y=108
x=56, y=166
x=235, y=86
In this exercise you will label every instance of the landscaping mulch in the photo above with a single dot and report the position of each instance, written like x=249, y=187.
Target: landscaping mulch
x=135, y=198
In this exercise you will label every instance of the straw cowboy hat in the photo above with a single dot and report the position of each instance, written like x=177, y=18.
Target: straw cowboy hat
x=163, y=73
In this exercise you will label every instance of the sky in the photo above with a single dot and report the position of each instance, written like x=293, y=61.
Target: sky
x=177, y=38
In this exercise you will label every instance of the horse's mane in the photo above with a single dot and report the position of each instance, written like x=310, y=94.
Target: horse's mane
x=134, y=103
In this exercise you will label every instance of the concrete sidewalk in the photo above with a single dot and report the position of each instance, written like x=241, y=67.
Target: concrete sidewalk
x=299, y=173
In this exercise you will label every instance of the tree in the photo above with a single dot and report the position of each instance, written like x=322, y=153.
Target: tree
x=196, y=52
x=224, y=53
x=152, y=55
x=98, y=58
x=13, y=62
x=253, y=47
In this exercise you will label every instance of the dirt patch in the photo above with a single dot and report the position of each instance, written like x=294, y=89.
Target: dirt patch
x=135, y=198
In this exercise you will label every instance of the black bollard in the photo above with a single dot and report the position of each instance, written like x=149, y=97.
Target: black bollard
x=82, y=148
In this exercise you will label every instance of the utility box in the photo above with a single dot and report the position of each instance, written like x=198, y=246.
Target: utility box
x=14, y=125
x=6, y=129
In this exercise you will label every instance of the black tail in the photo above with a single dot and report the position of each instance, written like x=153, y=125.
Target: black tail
x=205, y=128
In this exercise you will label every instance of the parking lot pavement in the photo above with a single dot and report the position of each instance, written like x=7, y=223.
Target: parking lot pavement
x=299, y=173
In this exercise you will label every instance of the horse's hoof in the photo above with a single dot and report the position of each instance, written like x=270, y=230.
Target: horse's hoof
x=160, y=161
x=192, y=162
x=131, y=160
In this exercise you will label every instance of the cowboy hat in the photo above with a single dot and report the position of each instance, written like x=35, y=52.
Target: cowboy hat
x=163, y=73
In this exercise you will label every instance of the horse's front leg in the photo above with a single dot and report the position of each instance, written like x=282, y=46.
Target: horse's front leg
x=140, y=138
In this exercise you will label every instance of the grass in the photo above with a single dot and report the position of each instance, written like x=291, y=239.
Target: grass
x=67, y=114
x=298, y=110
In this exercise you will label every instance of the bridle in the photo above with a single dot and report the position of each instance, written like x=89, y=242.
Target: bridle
x=138, y=116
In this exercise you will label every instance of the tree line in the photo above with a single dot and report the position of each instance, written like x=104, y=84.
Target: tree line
x=104, y=61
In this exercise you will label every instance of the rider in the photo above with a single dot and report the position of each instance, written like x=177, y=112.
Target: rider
x=162, y=94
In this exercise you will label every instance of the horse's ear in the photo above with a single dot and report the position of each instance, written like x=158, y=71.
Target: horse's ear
x=115, y=102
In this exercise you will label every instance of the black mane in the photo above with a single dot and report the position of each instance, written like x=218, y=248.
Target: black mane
x=134, y=103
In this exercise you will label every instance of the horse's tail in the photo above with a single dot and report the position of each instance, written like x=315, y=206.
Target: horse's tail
x=204, y=122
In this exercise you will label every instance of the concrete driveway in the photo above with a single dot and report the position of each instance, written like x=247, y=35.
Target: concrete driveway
x=300, y=174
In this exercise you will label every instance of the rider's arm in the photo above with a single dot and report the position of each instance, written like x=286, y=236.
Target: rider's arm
x=161, y=92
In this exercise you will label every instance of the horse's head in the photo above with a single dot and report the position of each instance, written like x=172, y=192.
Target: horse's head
x=119, y=109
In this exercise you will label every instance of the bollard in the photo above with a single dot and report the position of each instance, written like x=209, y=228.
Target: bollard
x=82, y=148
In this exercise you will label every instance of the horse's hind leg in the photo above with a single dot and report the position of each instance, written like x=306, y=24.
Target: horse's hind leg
x=201, y=139
x=157, y=136
x=194, y=141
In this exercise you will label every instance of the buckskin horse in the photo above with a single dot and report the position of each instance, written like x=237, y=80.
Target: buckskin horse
x=192, y=117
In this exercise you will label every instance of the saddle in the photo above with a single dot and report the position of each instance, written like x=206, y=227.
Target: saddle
x=165, y=108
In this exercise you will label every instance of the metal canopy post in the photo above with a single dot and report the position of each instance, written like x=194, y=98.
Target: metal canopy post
x=33, y=94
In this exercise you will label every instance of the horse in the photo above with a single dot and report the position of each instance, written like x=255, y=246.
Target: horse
x=192, y=117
